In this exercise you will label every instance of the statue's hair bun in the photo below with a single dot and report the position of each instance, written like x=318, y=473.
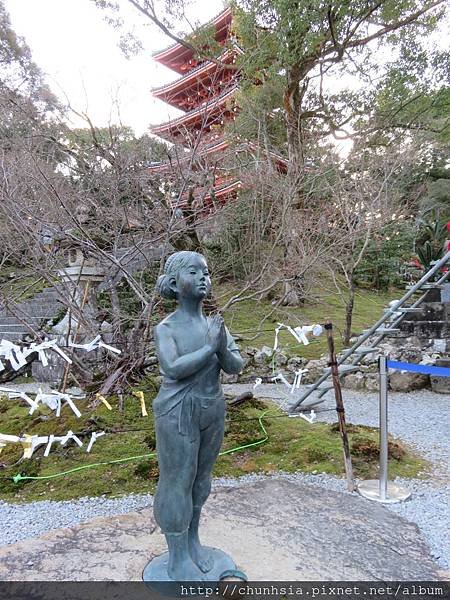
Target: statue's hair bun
x=163, y=287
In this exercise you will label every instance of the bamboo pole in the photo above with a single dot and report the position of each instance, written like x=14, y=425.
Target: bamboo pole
x=340, y=407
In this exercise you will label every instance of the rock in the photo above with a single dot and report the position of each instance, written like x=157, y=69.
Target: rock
x=371, y=359
x=295, y=363
x=152, y=360
x=280, y=359
x=250, y=378
x=441, y=385
x=371, y=381
x=407, y=381
x=263, y=356
x=226, y=378
x=354, y=381
x=76, y=392
x=411, y=355
x=250, y=351
x=267, y=350
x=315, y=369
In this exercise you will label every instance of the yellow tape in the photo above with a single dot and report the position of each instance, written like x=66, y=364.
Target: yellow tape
x=27, y=446
x=104, y=400
x=140, y=395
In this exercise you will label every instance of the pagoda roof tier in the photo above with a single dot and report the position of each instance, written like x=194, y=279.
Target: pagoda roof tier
x=211, y=112
x=229, y=187
x=214, y=147
x=206, y=80
x=225, y=190
x=181, y=59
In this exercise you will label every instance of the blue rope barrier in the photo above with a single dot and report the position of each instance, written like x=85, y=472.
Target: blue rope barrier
x=425, y=369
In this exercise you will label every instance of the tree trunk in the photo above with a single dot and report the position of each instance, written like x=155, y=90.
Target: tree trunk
x=291, y=295
x=349, y=312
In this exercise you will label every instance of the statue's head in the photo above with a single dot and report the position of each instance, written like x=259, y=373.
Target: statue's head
x=185, y=274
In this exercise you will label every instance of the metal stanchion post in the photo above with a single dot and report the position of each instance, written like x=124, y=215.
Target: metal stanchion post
x=380, y=489
x=383, y=429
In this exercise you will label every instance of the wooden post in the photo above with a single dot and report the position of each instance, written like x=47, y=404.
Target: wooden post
x=340, y=407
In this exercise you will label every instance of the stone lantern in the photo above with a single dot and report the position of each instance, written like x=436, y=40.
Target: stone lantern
x=80, y=280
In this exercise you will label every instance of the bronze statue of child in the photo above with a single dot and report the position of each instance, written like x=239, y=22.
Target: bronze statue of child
x=189, y=411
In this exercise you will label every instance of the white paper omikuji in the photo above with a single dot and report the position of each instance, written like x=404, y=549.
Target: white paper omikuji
x=94, y=436
x=12, y=394
x=33, y=442
x=299, y=333
x=53, y=401
x=71, y=436
x=282, y=378
x=6, y=438
x=298, y=379
x=13, y=353
x=51, y=439
x=47, y=345
x=94, y=345
x=310, y=419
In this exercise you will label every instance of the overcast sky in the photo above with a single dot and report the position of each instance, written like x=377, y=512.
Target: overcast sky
x=78, y=51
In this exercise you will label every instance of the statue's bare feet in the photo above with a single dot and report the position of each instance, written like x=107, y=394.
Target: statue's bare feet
x=201, y=555
x=185, y=570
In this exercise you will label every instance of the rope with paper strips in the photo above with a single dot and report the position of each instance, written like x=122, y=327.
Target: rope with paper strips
x=17, y=355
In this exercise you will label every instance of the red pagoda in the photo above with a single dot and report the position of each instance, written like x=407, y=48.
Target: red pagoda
x=205, y=93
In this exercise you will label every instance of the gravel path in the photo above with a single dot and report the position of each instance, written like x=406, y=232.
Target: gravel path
x=420, y=419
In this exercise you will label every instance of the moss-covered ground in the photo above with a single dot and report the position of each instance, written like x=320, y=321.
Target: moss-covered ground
x=292, y=445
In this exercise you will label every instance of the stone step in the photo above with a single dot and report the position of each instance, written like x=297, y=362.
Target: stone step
x=46, y=298
x=39, y=311
x=13, y=336
x=12, y=327
x=13, y=320
x=35, y=310
x=35, y=319
x=43, y=302
x=438, y=329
